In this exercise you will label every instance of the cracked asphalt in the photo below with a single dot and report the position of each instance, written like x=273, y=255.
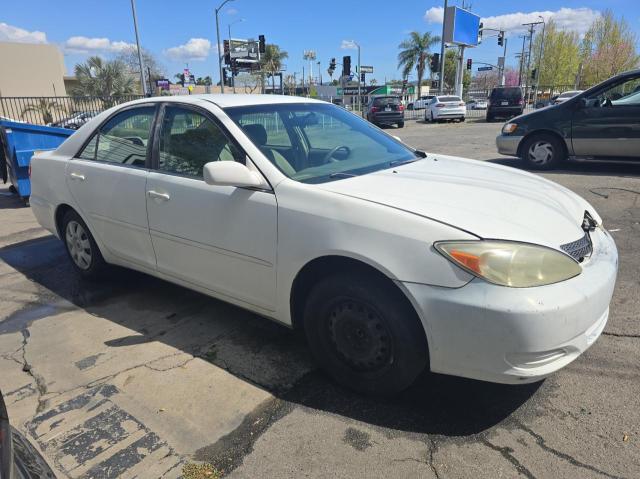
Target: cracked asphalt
x=135, y=377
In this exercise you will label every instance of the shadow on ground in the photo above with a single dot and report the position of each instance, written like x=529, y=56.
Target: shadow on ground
x=252, y=348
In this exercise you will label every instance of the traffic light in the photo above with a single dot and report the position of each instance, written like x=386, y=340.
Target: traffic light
x=434, y=63
x=262, y=46
x=469, y=63
x=362, y=77
x=226, y=50
x=225, y=80
x=534, y=73
x=346, y=66
x=480, y=28
x=501, y=38
x=332, y=67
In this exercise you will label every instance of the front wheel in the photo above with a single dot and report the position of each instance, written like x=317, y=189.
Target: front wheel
x=543, y=152
x=365, y=334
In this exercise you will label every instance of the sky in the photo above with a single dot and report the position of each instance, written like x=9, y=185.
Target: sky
x=178, y=33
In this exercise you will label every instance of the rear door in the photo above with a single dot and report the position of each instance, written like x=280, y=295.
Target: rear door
x=608, y=122
x=107, y=181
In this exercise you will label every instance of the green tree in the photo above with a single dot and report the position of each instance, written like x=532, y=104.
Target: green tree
x=415, y=53
x=450, y=67
x=608, y=48
x=104, y=79
x=271, y=62
x=560, y=56
x=206, y=81
x=43, y=107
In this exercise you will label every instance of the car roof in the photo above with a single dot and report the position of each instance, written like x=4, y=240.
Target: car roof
x=224, y=100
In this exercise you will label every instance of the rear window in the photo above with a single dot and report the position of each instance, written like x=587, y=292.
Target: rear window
x=449, y=98
x=387, y=100
x=511, y=93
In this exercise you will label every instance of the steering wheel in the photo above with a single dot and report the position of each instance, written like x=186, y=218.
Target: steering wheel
x=328, y=157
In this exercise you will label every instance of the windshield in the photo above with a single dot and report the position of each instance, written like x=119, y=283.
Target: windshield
x=316, y=143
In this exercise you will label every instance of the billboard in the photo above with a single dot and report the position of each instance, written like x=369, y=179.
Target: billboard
x=241, y=51
x=461, y=27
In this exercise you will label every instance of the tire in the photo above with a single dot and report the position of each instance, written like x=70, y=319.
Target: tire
x=489, y=118
x=543, y=152
x=431, y=120
x=401, y=124
x=462, y=119
x=82, y=249
x=390, y=349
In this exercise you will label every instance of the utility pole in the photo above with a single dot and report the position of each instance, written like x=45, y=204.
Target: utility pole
x=539, y=67
x=220, y=51
x=524, y=38
x=442, y=57
x=135, y=27
x=531, y=26
x=504, y=63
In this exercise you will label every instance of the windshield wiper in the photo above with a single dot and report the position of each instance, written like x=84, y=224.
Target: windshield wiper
x=402, y=162
x=340, y=174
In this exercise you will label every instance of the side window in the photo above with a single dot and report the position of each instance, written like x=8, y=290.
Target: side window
x=124, y=138
x=189, y=140
x=257, y=124
x=89, y=151
x=626, y=93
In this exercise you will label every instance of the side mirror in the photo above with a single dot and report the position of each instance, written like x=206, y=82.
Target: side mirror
x=230, y=173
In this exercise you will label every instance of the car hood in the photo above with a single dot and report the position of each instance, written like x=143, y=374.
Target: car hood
x=487, y=200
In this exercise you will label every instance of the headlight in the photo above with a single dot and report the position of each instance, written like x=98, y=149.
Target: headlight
x=509, y=128
x=507, y=263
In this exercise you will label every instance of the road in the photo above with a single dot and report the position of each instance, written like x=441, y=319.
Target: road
x=135, y=377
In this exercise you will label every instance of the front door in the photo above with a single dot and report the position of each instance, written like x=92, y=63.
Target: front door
x=107, y=181
x=221, y=238
x=607, y=123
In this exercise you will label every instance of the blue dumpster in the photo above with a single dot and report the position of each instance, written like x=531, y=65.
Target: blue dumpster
x=18, y=141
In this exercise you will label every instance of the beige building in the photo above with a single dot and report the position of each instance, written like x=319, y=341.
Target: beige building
x=28, y=69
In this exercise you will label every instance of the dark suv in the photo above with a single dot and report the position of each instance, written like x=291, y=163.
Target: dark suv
x=505, y=102
x=385, y=110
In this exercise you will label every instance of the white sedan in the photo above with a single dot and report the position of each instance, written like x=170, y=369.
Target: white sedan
x=445, y=107
x=390, y=259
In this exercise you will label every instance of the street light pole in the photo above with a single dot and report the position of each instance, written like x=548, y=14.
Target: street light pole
x=442, y=53
x=220, y=53
x=233, y=78
x=135, y=27
x=359, y=82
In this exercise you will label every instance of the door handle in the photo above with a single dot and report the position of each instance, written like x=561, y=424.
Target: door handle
x=160, y=196
x=77, y=176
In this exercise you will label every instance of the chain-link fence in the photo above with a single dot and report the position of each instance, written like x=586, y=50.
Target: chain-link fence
x=56, y=109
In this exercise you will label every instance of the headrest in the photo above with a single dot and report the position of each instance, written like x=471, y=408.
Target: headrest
x=257, y=133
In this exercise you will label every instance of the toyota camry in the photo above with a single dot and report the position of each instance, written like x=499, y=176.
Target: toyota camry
x=391, y=260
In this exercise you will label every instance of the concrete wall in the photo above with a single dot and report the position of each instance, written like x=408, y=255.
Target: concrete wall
x=31, y=70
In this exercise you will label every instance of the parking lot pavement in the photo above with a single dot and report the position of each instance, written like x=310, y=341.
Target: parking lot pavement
x=134, y=377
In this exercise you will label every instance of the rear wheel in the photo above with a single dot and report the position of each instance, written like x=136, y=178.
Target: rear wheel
x=401, y=124
x=543, y=152
x=81, y=247
x=365, y=334
x=489, y=117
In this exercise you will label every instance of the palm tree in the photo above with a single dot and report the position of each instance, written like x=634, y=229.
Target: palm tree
x=373, y=82
x=414, y=52
x=272, y=62
x=104, y=79
x=44, y=107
